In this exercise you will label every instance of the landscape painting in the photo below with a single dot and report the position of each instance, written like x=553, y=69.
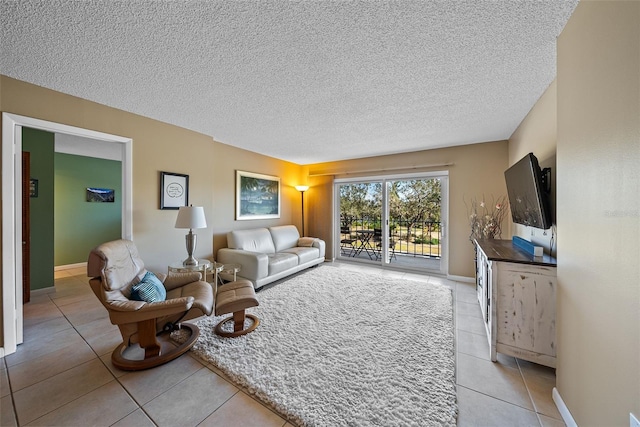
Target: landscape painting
x=100, y=195
x=257, y=196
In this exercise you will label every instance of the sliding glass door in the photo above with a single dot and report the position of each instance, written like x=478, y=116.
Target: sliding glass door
x=360, y=216
x=397, y=221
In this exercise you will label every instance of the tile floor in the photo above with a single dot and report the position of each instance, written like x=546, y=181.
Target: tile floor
x=62, y=375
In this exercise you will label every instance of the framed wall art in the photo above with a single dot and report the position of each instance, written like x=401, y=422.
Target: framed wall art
x=257, y=196
x=174, y=190
x=101, y=195
x=33, y=187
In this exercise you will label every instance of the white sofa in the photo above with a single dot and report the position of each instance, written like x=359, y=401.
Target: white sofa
x=269, y=254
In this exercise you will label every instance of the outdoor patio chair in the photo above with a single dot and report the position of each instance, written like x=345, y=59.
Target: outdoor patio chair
x=377, y=240
x=347, y=241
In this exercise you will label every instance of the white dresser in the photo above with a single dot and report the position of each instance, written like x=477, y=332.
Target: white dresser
x=517, y=294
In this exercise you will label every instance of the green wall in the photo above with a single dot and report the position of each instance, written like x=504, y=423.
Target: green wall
x=64, y=226
x=41, y=146
x=80, y=225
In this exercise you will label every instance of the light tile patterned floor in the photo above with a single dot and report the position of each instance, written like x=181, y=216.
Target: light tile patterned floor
x=62, y=374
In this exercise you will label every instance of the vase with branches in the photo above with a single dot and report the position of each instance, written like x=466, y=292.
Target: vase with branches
x=485, y=218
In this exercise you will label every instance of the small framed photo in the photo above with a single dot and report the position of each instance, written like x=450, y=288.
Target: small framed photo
x=174, y=190
x=101, y=195
x=33, y=187
x=257, y=196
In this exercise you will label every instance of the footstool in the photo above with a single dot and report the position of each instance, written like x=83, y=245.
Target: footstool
x=236, y=297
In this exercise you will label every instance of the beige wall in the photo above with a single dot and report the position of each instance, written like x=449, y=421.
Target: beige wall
x=537, y=134
x=223, y=165
x=598, y=158
x=159, y=147
x=476, y=170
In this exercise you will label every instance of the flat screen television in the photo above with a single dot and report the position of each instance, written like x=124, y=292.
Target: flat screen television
x=528, y=189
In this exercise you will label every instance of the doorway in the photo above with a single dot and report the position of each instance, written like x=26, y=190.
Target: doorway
x=12, y=191
x=396, y=221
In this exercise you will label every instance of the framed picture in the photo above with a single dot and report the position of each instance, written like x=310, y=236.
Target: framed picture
x=101, y=195
x=33, y=187
x=174, y=190
x=257, y=196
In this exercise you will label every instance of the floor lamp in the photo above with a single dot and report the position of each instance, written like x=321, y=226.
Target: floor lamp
x=302, y=189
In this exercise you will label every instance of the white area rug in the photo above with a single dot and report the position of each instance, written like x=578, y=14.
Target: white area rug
x=341, y=348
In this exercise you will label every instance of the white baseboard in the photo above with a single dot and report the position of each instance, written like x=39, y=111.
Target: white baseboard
x=69, y=266
x=1, y=351
x=47, y=290
x=461, y=278
x=562, y=408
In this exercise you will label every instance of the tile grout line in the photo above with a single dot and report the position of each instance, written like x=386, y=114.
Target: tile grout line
x=11, y=391
x=497, y=398
x=111, y=373
x=487, y=395
x=13, y=401
x=538, y=413
x=455, y=292
x=66, y=370
x=524, y=380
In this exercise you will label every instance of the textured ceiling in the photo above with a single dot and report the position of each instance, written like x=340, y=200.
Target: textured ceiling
x=307, y=81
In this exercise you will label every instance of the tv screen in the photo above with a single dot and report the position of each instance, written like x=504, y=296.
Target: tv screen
x=528, y=197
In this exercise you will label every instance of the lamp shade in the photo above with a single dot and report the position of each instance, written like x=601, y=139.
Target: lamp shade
x=191, y=217
x=302, y=188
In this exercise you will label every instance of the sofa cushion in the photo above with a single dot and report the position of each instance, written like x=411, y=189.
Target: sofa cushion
x=281, y=261
x=304, y=254
x=284, y=237
x=306, y=241
x=254, y=240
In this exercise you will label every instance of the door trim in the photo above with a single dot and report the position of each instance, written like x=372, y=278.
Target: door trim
x=12, y=125
x=26, y=228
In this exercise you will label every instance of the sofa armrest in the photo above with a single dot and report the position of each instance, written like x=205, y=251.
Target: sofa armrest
x=313, y=242
x=306, y=241
x=319, y=243
x=255, y=265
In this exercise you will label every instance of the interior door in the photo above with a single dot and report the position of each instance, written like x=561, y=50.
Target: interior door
x=26, y=229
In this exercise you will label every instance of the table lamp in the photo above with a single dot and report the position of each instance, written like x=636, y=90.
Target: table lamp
x=191, y=217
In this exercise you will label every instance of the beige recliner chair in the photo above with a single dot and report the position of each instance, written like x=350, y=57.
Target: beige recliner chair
x=117, y=271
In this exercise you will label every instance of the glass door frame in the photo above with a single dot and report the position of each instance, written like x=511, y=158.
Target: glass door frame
x=336, y=209
x=385, y=180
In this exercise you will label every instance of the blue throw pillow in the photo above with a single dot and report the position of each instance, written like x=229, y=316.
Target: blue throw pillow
x=149, y=289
